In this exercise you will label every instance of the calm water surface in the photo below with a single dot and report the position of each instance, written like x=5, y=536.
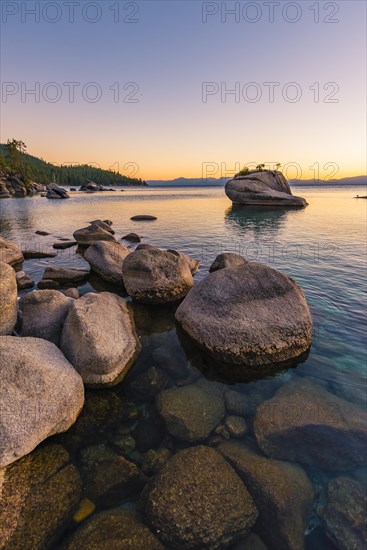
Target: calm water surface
x=322, y=247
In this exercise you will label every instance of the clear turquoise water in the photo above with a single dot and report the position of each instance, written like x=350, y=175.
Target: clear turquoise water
x=322, y=247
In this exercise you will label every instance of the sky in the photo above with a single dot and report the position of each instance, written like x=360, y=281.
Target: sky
x=163, y=89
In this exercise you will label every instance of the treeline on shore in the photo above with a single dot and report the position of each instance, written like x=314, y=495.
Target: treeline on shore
x=16, y=162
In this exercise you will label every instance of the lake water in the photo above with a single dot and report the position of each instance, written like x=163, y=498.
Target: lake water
x=322, y=247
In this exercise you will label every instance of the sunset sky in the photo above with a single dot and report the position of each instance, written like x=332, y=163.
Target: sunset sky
x=178, y=125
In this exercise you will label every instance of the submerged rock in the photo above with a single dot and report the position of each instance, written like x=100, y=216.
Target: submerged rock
x=156, y=276
x=109, y=480
x=263, y=187
x=41, y=395
x=304, y=423
x=345, y=514
x=250, y=315
x=114, y=529
x=62, y=245
x=228, y=259
x=281, y=491
x=198, y=501
x=191, y=412
x=44, y=313
x=8, y=299
x=105, y=259
x=99, y=338
x=38, y=496
x=10, y=253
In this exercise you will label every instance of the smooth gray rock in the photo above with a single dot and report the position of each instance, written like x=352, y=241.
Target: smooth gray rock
x=41, y=395
x=8, y=299
x=10, y=253
x=198, y=501
x=227, y=259
x=264, y=187
x=300, y=414
x=280, y=490
x=105, y=259
x=156, y=276
x=43, y=314
x=249, y=315
x=99, y=338
x=191, y=412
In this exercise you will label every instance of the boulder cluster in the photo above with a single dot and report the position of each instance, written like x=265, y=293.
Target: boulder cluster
x=209, y=466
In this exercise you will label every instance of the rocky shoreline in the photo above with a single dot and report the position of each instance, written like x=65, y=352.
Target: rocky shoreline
x=111, y=439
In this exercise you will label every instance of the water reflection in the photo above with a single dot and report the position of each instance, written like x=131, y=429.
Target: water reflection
x=219, y=371
x=261, y=220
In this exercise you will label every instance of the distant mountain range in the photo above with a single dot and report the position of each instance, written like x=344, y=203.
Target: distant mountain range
x=220, y=182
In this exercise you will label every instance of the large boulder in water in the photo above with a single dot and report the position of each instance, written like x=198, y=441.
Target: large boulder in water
x=251, y=315
x=281, y=491
x=305, y=423
x=99, y=338
x=56, y=192
x=105, y=259
x=10, y=253
x=41, y=395
x=262, y=187
x=198, y=501
x=156, y=276
x=8, y=299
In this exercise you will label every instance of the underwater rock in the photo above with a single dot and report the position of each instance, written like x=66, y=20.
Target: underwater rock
x=191, y=412
x=281, y=491
x=304, y=423
x=345, y=514
x=198, y=501
x=114, y=529
x=38, y=496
